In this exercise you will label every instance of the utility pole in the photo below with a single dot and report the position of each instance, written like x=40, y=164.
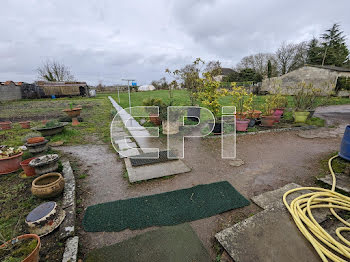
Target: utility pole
x=132, y=80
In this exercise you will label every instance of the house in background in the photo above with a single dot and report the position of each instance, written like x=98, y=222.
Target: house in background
x=224, y=72
x=327, y=78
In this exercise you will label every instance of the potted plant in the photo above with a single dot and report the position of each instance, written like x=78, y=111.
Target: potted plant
x=209, y=94
x=23, y=248
x=268, y=119
x=73, y=111
x=154, y=118
x=10, y=159
x=51, y=128
x=303, y=97
x=243, y=103
x=5, y=125
x=25, y=124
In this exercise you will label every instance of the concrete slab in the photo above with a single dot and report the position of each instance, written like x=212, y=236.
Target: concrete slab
x=126, y=146
x=147, y=172
x=129, y=153
x=166, y=244
x=343, y=182
x=275, y=197
x=271, y=197
x=269, y=236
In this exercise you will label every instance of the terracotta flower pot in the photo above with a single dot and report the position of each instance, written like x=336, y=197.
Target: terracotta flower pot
x=25, y=124
x=30, y=171
x=10, y=164
x=34, y=140
x=268, y=121
x=254, y=114
x=75, y=112
x=48, y=185
x=34, y=256
x=155, y=119
x=242, y=125
x=5, y=125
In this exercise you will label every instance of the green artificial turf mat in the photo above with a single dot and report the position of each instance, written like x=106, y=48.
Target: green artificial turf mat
x=167, y=244
x=164, y=209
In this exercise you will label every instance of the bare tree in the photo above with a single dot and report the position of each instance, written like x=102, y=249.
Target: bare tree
x=258, y=62
x=54, y=71
x=291, y=56
x=214, y=67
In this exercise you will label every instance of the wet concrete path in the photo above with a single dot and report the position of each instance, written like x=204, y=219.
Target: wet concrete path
x=271, y=160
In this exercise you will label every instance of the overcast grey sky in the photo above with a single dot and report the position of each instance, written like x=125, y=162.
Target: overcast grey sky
x=108, y=40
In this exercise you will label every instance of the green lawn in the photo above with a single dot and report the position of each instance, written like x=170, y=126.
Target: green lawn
x=182, y=98
x=96, y=116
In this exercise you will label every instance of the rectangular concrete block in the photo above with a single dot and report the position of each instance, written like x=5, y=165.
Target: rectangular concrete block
x=158, y=170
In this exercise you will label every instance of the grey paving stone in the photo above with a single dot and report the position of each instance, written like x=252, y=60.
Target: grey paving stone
x=343, y=181
x=147, y=172
x=268, y=236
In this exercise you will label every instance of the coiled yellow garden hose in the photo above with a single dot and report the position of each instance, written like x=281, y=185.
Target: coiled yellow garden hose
x=300, y=209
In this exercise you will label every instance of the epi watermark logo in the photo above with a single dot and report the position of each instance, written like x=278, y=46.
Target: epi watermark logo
x=137, y=129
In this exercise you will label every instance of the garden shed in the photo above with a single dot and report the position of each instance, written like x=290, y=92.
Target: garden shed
x=63, y=88
x=327, y=78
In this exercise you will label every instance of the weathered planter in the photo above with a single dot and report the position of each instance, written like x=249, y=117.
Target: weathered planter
x=10, y=164
x=216, y=127
x=268, y=121
x=34, y=140
x=50, y=131
x=194, y=114
x=25, y=124
x=28, y=170
x=37, y=147
x=170, y=128
x=5, y=125
x=301, y=117
x=45, y=164
x=75, y=112
x=48, y=185
x=34, y=256
x=242, y=125
x=155, y=119
x=45, y=218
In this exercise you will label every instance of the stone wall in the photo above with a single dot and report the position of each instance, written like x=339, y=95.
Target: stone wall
x=10, y=92
x=323, y=79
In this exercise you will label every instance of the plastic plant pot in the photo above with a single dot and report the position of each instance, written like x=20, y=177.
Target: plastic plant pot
x=10, y=164
x=28, y=170
x=301, y=117
x=345, y=145
x=242, y=125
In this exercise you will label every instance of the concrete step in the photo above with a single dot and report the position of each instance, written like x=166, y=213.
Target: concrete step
x=268, y=236
x=342, y=182
x=275, y=197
